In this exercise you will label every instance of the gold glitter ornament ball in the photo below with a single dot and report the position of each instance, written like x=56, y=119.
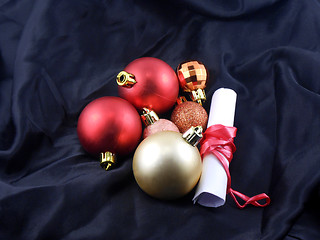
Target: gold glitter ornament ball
x=189, y=114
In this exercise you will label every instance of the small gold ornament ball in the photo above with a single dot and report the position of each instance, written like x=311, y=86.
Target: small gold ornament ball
x=165, y=166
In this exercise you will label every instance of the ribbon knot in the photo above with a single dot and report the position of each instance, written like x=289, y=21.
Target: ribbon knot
x=218, y=140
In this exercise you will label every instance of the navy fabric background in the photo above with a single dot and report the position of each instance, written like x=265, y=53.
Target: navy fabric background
x=56, y=56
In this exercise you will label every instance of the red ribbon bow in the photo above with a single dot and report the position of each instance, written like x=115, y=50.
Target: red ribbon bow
x=218, y=140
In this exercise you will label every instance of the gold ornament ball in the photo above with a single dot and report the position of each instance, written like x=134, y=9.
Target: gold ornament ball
x=165, y=166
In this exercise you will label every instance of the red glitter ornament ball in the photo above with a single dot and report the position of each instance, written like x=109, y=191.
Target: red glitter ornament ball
x=149, y=83
x=109, y=124
x=189, y=114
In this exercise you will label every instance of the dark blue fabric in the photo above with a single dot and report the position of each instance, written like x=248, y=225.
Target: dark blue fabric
x=56, y=56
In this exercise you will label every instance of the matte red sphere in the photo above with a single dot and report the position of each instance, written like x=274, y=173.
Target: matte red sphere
x=109, y=124
x=157, y=85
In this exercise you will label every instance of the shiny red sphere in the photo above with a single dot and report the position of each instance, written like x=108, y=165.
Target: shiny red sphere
x=157, y=85
x=109, y=124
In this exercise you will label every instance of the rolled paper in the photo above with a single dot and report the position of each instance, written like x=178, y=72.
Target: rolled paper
x=212, y=187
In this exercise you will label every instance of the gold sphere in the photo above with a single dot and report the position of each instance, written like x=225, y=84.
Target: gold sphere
x=165, y=166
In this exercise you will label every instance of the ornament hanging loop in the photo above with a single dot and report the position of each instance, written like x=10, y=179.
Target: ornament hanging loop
x=125, y=79
x=107, y=160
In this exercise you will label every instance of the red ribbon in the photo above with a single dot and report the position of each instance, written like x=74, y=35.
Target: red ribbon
x=218, y=140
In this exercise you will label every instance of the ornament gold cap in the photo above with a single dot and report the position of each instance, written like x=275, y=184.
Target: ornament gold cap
x=107, y=160
x=149, y=117
x=125, y=79
x=181, y=99
x=193, y=135
x=198, y=95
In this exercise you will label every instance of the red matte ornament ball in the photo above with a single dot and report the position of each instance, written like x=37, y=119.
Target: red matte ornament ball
x=109, y=124
x=152, y=84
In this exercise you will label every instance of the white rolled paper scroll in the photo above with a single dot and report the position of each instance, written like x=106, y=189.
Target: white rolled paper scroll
x=212, y=187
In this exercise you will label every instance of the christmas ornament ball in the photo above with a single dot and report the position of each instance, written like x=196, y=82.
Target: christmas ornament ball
x=160, y=125
x=166, y=166
x=188, y=114
x=109, y=124
x=149, y=82
x=193, y=77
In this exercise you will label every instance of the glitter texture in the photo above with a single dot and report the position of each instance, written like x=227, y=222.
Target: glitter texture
x=189, y=114
x=158, y=126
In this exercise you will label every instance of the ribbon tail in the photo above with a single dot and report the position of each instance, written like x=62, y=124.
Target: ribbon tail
x=218, y=140
x=249, y=200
